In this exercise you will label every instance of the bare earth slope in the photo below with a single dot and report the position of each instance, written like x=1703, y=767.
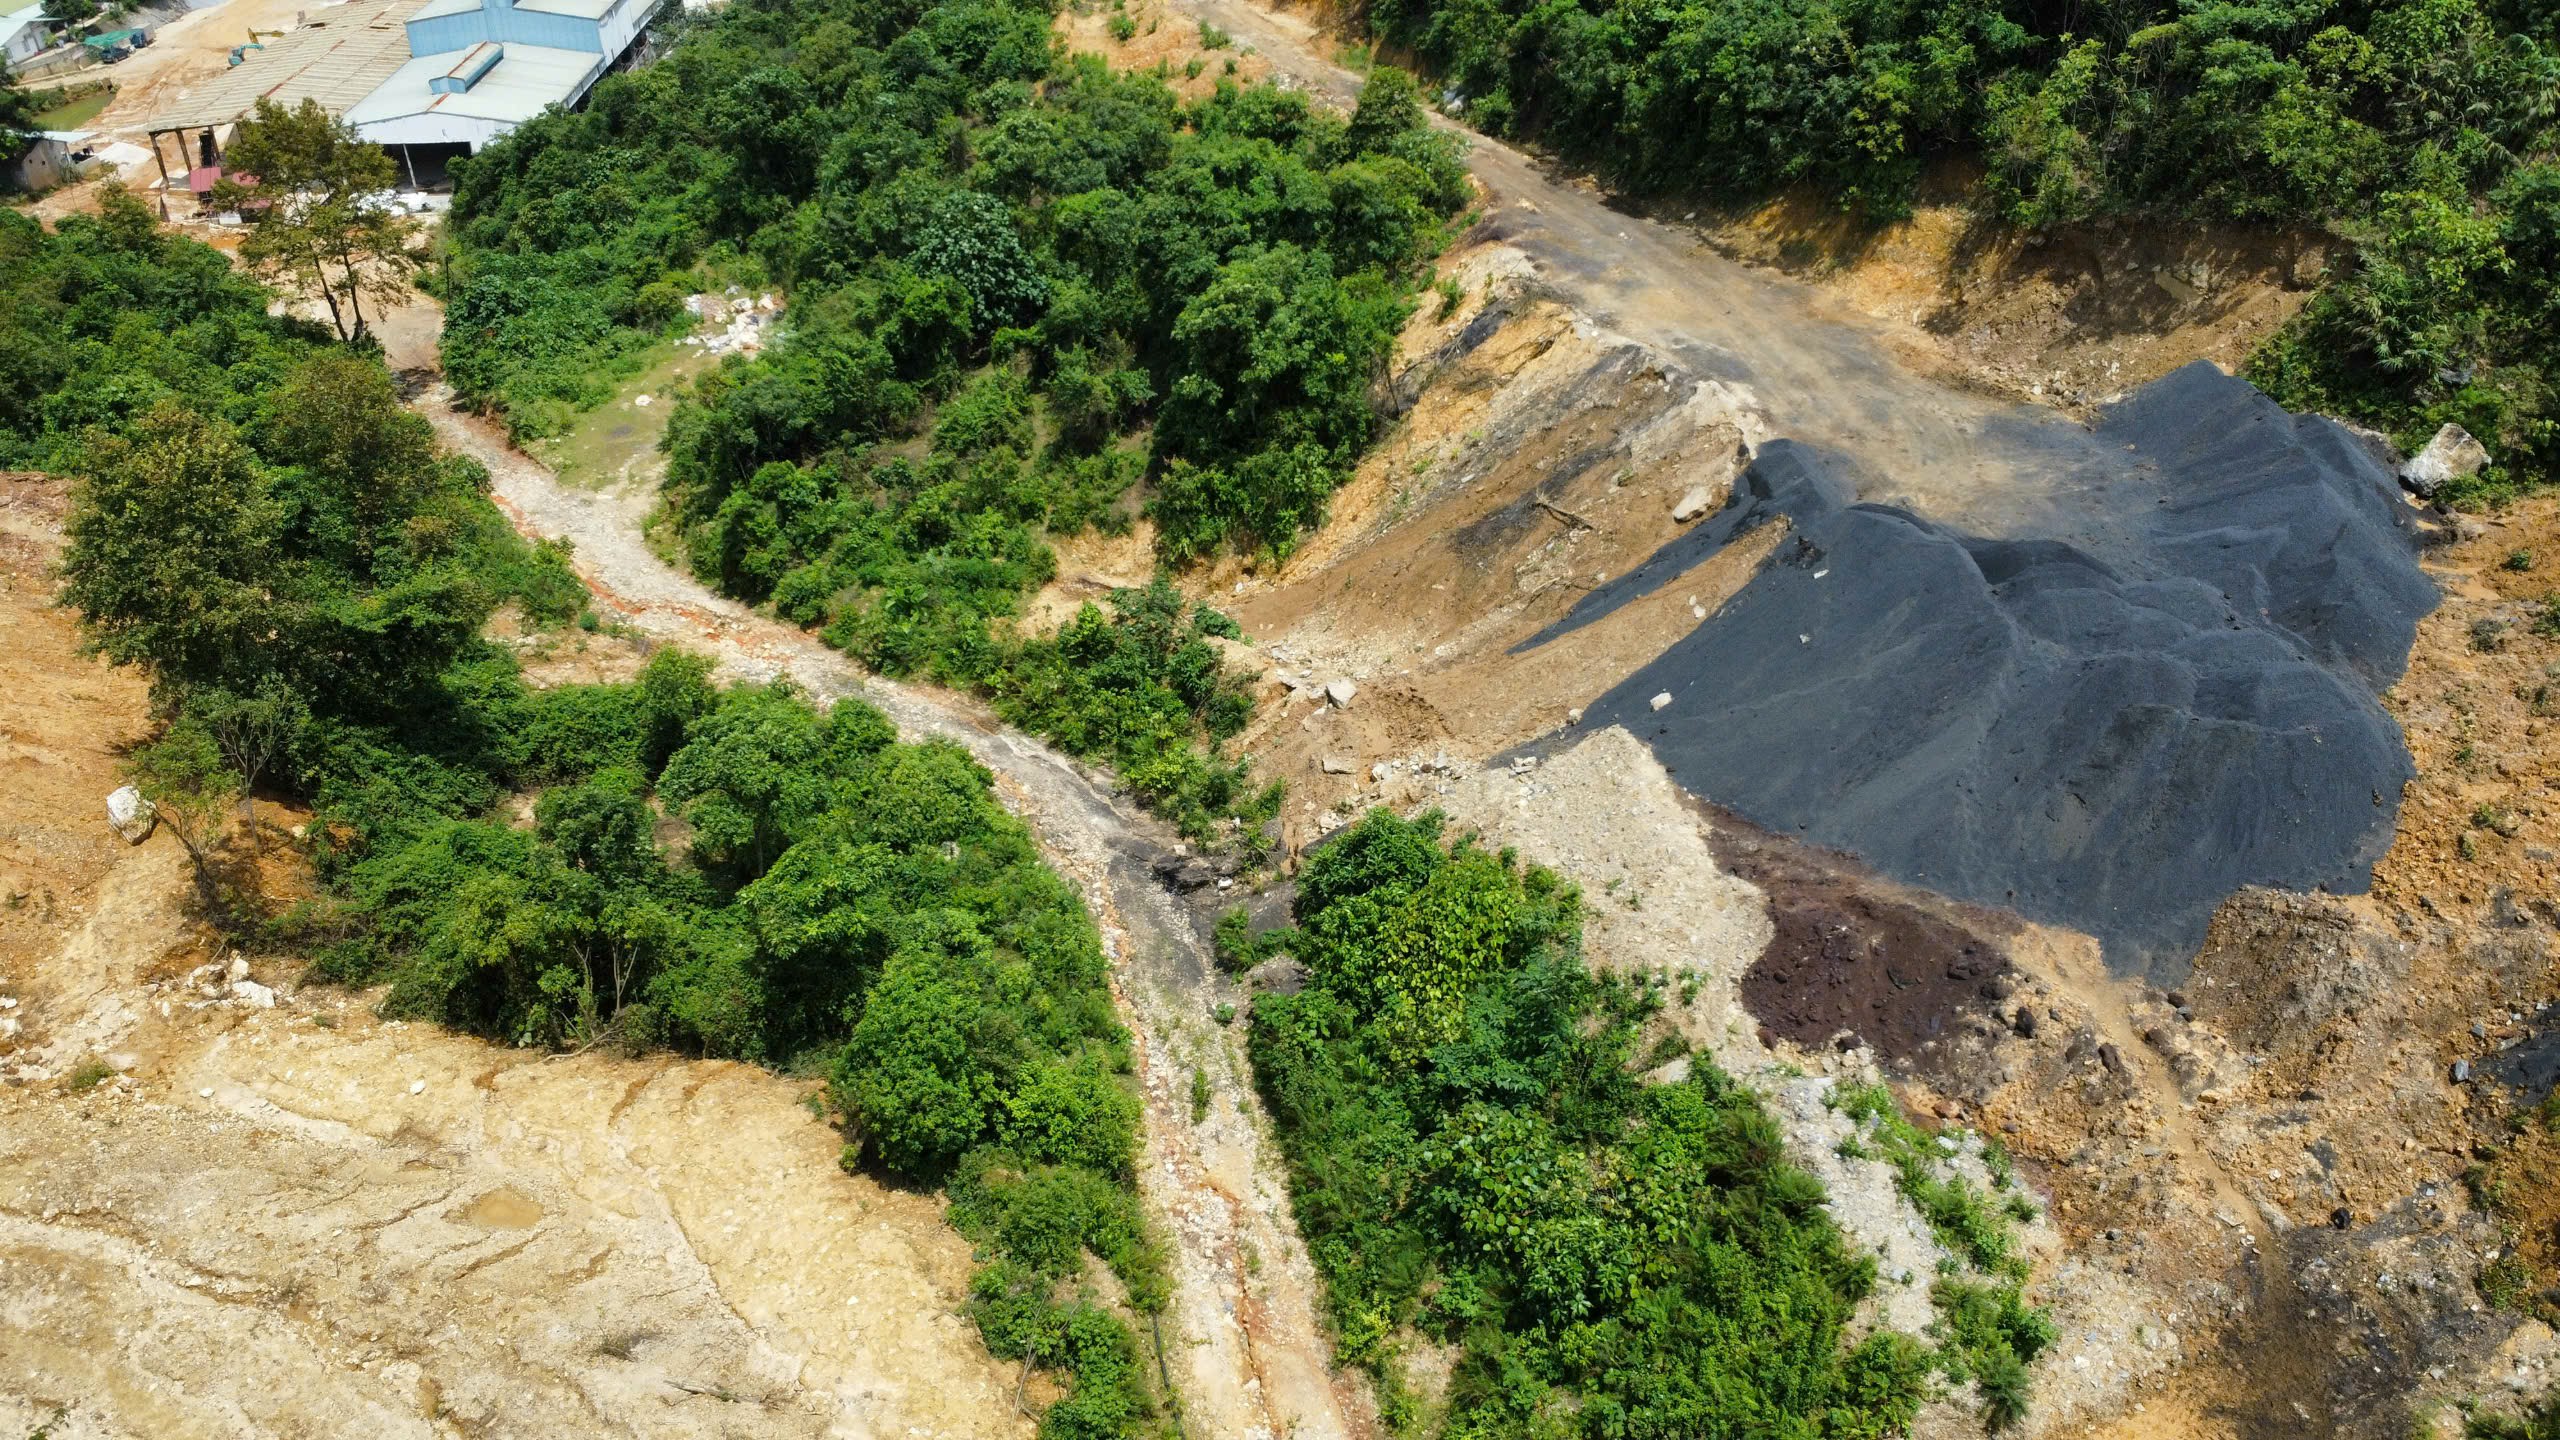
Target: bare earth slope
x=281, y=1216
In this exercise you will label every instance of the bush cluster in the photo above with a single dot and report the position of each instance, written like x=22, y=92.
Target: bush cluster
x=1475, y=1162
x=261, y=527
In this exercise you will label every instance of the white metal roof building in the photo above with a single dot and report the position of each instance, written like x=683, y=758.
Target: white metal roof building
x=23, y=34
x=445, y=73
x=479, y=68
x=472, y=96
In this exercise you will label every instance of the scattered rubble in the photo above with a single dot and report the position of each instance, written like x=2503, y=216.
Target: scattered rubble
x=739, y=325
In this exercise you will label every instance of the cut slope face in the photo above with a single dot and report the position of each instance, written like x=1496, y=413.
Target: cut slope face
x=2195, y=598
x=2111, y=736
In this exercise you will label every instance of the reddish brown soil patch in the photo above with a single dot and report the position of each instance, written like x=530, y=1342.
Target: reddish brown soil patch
x=1855, y=957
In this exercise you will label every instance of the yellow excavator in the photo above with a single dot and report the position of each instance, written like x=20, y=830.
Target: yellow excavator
x=241, y=52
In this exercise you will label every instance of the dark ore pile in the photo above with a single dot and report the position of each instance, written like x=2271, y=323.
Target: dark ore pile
x=2111, y=732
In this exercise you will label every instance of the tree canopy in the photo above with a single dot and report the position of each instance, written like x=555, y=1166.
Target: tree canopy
x=260, y=526
x=312, y=194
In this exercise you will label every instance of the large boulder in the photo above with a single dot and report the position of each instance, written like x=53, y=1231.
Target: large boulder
x=2452, y=455
x=131, y=815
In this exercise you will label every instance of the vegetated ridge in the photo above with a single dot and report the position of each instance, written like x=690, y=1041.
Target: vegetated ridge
x=2423, y=130
x=1019, y=284
x=263, y=529
x=1479, y=1166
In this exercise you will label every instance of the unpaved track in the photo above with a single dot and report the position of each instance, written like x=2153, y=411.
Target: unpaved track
x=1242, y=1343
x=1812, y=370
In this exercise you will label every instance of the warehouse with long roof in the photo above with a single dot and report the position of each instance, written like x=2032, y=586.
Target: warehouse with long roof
x=424, y=80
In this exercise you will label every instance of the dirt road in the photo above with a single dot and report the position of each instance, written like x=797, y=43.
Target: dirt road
x=1810, y=369
x=1242, y=1342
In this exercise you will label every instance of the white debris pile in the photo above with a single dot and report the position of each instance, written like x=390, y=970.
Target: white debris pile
x=227, y=982
x=735, y=322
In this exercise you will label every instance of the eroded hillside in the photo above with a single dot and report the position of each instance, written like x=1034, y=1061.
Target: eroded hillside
x=235, y=1203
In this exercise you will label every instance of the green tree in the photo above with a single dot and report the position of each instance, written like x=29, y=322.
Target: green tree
x=911, y=1076
x=309, y=189
x=748, y=777
x=254, y=730
x=1389, y=108
x=1073, y=1114
x=17, y=117
x=1276, y=357
x=183, y=776
x=970, y=237
x=173, y=558
x=340, y=417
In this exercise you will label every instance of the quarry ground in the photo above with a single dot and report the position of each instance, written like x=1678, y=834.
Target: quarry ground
x=2256, y=1222
x=2255, y=1176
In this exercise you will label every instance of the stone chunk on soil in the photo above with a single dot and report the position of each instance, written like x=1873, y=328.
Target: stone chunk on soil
x=1337, y=764
x=1692, y=505
x=2452, y=455
x=1180, y=873
x=131, y=816
x=1340, y=691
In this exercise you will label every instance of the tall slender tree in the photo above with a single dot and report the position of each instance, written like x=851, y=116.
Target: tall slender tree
x=313, y=196
x=17, y=121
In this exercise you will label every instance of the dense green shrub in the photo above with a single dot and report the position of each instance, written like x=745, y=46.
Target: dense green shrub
x=2424, y=130
x=260, y=526
x=1021, y=287
x=1474, y=1161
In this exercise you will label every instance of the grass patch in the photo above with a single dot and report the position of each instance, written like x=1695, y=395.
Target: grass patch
x=598, y=446
x=1987, y=1333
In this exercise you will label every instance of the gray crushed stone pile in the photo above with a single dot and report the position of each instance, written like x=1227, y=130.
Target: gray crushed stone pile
x=2111, y=732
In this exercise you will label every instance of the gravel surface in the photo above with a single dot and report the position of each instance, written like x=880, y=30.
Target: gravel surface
x=2110, y=739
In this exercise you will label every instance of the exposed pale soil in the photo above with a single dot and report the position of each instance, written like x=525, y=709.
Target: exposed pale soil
x=2070, y=317
x=299, y=1219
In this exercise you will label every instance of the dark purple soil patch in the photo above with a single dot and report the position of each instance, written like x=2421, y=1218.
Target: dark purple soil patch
x=1853, y=957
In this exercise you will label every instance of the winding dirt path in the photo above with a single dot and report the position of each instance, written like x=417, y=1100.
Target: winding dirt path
x=1807, y=368
x=1242, y=1344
